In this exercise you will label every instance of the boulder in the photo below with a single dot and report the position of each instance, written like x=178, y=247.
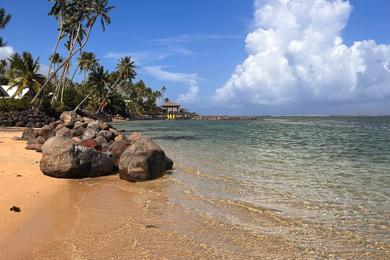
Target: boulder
x=27, y=134
x=62, y=158
x=117, y=148
x=20, y=123
x=69, y=118
x=89, y=143
x=89, y=133
x=168, y=164
x=46, y=132
x=64, y=132
x=141, y=161
x=134, y=137
x=78, y=130
x=36, y=147
x=101, y=144
x=104, y=125
x=55, y=124
x=109, y=136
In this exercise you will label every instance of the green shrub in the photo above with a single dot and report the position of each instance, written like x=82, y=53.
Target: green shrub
x=12, y=104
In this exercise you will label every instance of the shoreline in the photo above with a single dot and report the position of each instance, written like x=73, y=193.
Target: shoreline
x=106, y=217
x=23, y=185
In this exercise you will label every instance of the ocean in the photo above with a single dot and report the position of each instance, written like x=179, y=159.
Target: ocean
x=311, y=186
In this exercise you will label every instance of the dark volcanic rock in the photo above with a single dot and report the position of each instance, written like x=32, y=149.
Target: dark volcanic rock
x=78, y=130
x=27, y=134
x=143, y=160
x=46, y=132
x=89, y=133
x=64, y=132
x=117, y=148
x=69, y=118
x=89, y=143
x=168, y=164
x=62, y=158
x=108, y=135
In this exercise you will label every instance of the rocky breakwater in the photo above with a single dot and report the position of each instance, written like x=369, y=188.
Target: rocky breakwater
x=29, y=118
x=80, y=147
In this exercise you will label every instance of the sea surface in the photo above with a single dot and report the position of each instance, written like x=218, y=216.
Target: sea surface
x=295, y=186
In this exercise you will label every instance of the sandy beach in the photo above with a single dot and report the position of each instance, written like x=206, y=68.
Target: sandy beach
x=106, y=217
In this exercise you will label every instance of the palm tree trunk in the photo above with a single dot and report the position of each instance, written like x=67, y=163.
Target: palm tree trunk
x=74, y=73
x=63, y=63
x=82, y=102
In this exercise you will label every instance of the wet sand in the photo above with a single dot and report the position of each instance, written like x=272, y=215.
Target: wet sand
x=106, y=218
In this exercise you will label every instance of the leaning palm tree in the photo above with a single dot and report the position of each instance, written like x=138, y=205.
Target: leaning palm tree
x=88, y=12
x=125, y=72
x=23, y=74
x=4, y=18
x=99, y=79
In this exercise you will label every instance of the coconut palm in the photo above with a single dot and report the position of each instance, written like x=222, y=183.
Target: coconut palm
x=126, y=69
x=4, y=18
x=23, y=74
x=56, y=59
x=99, y=78
x=88, y=12
x=87, y=62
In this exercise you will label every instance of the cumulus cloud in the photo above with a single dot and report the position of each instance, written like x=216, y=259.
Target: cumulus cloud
x=191, y=80
x=6, y=52
x=296, y=54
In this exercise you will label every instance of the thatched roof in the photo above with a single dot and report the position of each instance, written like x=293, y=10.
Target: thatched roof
x=170, y=104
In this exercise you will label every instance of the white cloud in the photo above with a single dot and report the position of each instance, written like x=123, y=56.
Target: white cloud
x=296, y=54
x=150, y=55
x=6, y=52
x=187, y=38
x=191, y=80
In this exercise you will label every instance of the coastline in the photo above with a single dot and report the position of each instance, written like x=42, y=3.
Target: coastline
x=103, y=217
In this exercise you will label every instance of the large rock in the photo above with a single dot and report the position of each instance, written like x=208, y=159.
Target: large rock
x=46, y=132
x=117, y=148
x=141, y=161
x=27, y=134
x=69, y=118
x=62, y=158
x=64, y=132
x=89, y=133
x=108, y=135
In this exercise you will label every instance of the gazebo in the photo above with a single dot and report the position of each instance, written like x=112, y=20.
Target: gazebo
x=171, y=107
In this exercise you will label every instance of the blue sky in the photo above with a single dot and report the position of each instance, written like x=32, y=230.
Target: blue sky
x=193, y=48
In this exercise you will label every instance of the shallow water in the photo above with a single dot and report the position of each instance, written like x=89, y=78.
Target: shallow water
x=319, y=184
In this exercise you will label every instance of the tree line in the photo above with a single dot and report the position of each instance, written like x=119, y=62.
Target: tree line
x=97, y=90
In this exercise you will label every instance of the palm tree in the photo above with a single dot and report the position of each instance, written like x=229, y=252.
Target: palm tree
x=23, y=74
x=3, y=66
x=99, y=79
x=87, y=62
x=126, y=69
x=56, y=59
x=88, y=12
x=4, y=18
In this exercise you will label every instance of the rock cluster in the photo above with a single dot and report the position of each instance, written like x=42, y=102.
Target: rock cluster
x=28, y=118
x=79, y=147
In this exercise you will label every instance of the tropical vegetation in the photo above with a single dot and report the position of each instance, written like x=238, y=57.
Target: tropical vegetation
x=75, y=80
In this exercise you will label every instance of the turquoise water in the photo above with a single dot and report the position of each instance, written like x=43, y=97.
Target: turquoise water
x=322, y=183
